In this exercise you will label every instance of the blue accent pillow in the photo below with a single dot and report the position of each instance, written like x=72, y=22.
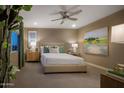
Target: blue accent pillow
x=61, y=50
x=46, y=50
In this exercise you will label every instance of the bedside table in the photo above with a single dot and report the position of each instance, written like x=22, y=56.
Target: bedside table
x=32, y=56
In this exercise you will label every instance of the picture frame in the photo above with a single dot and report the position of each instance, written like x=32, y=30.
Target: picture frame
x=97, y=42
x=32, y=38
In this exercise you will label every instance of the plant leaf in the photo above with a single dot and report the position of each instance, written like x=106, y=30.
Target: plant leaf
x=2, y=7
x=17, y=7
x=27, y=7
x=12, y=16
x=5, y=45
x=2, y=24
x=12, y=72
x=14, y=28
x=3, y=15
x=14, y=23
x=19, y=18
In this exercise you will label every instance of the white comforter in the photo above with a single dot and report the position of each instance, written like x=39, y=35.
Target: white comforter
x=60, y=58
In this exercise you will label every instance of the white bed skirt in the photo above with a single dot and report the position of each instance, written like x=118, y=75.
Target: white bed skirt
x=64, y=68
x=62, y=63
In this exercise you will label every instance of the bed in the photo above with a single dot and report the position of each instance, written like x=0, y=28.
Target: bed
x=62, y=62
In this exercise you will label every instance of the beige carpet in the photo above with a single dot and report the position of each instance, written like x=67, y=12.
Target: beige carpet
x=31, y=76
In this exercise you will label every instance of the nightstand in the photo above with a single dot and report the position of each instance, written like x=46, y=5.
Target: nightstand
x=32, y=56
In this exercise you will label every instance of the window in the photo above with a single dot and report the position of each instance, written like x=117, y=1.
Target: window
x=14, y=41
x=117, y=34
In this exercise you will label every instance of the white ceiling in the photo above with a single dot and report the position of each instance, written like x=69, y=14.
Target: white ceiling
x=40, y=16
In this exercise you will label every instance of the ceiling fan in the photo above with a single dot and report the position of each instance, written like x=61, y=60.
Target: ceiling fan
x=67, y=13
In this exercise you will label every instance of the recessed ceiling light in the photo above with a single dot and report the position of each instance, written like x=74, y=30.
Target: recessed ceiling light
x=74, y=25
x=35, y=23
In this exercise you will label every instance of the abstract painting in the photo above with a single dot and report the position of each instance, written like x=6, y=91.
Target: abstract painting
x=32, y=38
x=96, y=41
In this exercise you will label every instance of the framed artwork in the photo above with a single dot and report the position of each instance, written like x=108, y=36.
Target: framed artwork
x=32, y=39
x=96, y=42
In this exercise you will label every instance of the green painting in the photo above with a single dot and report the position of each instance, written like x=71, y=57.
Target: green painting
x=96, y=42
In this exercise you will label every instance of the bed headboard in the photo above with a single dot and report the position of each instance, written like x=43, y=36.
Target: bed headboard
x=52, y=44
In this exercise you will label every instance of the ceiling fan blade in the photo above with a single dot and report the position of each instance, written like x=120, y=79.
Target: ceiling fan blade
x=60, y=12
x=74, y=13
x=55, y=13
x=62, y=22
x=56, y=19
x=74, y=19
x=63, y=7
x=72, y=8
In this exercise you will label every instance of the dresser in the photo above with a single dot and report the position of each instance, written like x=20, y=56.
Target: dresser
x=111, y=81
x=32, y=56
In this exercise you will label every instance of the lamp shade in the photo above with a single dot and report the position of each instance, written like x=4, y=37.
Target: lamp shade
x=33, y=44
x=75, y=45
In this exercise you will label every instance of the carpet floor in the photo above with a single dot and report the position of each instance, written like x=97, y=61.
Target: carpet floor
x=31, y=76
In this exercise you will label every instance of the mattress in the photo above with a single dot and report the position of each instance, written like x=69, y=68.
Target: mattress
x=60, y=58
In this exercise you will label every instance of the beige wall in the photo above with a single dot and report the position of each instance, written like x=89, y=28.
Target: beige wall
x=52, y=35
x=116, y=51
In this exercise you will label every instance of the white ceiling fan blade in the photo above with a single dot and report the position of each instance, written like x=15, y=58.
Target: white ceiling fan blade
x=56, y=19
x=60, y=12
x=72, y=8
x=63, y=7
x=62, y=22
x=55, y=13
x=74, y=19
x=74, y=13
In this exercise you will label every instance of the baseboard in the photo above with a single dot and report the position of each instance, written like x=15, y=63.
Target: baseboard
x=97, y=66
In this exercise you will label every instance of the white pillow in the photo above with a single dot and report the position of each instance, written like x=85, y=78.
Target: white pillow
x=54, y=49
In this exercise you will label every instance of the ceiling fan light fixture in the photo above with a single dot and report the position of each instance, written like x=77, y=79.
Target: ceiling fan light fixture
x=73, y=25
x=35, y=23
